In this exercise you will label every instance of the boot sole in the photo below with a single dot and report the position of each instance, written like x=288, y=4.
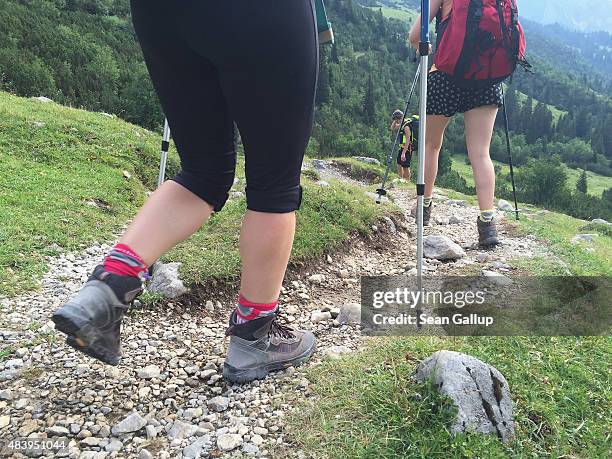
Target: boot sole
x=85, y=338
x=241, y=376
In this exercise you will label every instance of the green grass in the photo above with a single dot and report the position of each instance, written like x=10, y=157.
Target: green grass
x=402, y=15
x=368, y=406
x=72, y=177
x=57, y=162
x=583, y=259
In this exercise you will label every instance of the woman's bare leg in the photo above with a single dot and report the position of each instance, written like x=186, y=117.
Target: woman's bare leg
x=436, y=124
x=170, y=215
x=265, y=246
x=478, y=132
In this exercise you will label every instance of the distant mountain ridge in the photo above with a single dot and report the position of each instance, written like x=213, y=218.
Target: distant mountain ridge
x=583, y=15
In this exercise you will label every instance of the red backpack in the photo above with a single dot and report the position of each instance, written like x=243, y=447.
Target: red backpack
x=476, y=48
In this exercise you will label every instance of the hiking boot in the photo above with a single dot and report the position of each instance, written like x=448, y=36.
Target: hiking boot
x=263, y=345
x=92, y=319
x=426, y=213
x=487, y=233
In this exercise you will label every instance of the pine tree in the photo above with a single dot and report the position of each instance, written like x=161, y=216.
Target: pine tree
x=323, y=88
x=512, y=107
x=334, y=54
x=581, y=185
x=369, y=104
x=526, y=114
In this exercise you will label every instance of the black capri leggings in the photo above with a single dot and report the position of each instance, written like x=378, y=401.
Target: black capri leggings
x=250, y=62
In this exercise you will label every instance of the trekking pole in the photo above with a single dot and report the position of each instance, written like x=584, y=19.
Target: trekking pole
x=424, y=46
x=381, y=191
x=165, y=146
x=516, y=210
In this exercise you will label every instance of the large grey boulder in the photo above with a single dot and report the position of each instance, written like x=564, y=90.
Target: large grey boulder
x=367, y=160
x=479, y=391
x=166, y=280
x=601, y=221
x=441, y=247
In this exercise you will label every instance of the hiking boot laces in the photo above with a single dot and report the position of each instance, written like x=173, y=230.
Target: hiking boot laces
x=280, y=330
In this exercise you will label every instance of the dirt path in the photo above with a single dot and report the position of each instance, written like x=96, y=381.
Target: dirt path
x=169, y=385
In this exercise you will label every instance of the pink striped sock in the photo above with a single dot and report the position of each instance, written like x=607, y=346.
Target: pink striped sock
x=247, y=310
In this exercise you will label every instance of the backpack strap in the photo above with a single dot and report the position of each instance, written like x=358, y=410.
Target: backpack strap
x=474, y=16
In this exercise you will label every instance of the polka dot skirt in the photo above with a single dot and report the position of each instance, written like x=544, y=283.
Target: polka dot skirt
x=446, y=98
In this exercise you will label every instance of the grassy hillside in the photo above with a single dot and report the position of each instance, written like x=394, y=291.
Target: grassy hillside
x=596, y=183
x=72, y=177
x=406, y=15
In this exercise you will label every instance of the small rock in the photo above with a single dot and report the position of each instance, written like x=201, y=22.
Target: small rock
x=114, y=446
x=81, y=368
x=500, y=265
x=4, y=421
x=132, y=423
x=42, y=99
x=28, y=427
x=318, y=164
x=583, y=238
x=457, y=202
x=145, y=454
x=13, y=364
x=250, y=449
x=318, y=316
x=317, y=279
x=350, y=313
x=6, y=394
x=257, y=439
x=499, y=279
x=166, y=280
x=601, y=221
x=390, y=224
x=180, y=430
x=228, y=442
x=453, y=220
x=482, y=257
x=58, y=431
x=441, y=247
x=151, y=432
x=209, y=306
x=367, y=160
x=335, y=352
x=322, y=183
x=218, y=403
x=505, y=206
x=149, y=372
x=195, y=449
x=21, y=352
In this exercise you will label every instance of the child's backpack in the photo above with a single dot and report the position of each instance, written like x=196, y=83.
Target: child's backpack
x=481, y=42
